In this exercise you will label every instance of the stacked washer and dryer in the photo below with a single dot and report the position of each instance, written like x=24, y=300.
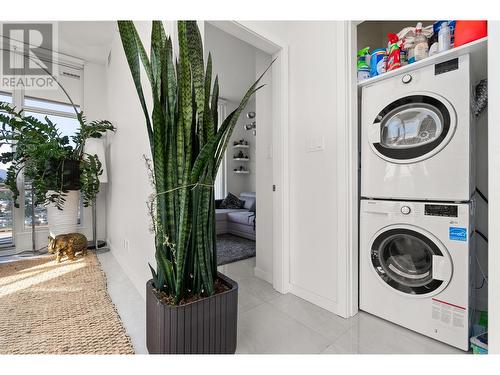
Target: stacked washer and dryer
x=417, y=206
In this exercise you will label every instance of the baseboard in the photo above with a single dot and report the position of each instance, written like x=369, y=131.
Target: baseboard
x=134, y=279
x=316, y=299
x=266, y=276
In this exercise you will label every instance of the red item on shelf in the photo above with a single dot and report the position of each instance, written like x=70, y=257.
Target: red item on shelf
x=468, y=31
x=394, y=58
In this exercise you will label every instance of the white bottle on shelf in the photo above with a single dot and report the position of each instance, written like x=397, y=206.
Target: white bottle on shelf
x=444, y=37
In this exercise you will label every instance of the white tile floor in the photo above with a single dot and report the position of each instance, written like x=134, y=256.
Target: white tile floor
x=270, y=322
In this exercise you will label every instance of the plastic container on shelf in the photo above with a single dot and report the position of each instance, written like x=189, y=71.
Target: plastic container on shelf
x=378, y=62
x=469, y=31
x=421, y=49
x=444, y=37
x=479, y=343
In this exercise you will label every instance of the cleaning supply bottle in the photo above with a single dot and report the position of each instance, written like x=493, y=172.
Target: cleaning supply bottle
x=393, y=53
x=363, y=68
x=378, y=62
x=444, y=37
x=421, y=49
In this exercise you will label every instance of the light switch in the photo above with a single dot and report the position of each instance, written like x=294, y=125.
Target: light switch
x=315, y=143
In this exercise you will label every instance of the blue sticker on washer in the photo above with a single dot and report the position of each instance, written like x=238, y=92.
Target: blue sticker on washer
x=458, y=234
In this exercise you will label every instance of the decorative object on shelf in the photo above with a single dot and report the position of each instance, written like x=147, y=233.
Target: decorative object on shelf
x=187, y=148
x=241, y=142
x=67, y=244
x=95, y=146
x=241, y=169
x=252, y=127
x=241, y=156
x=253, y=124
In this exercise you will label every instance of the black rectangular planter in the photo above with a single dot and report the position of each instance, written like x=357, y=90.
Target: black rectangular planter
x=206, y=326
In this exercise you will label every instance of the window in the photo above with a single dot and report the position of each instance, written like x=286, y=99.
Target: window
x=220, y=179
x=64, y=116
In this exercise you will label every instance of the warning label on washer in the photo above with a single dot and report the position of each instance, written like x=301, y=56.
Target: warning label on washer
x=448, y=313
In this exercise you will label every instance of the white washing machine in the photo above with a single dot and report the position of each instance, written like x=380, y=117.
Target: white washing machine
x=415, y=266
x=417, y=142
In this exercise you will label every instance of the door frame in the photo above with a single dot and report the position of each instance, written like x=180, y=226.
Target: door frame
x=278, y=49
x=348, y=159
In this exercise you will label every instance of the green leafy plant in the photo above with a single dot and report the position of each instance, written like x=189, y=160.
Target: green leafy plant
x=187, y=147
x=47, y=158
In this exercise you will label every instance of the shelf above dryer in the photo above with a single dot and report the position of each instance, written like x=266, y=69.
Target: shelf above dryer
x=477, y=49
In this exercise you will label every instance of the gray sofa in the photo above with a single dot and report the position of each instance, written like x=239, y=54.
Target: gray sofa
x=239, y=222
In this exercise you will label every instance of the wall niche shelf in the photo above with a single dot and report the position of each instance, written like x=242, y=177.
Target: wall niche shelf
x=241, y=146
x=241, y=159
x=241, y=172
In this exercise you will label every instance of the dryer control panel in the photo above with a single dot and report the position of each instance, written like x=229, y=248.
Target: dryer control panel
x=448, y=210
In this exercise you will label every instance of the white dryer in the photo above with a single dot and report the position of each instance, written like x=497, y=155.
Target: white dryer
x=415, y=266
x=417, y=141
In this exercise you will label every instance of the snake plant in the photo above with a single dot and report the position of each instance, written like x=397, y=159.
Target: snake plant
x=187, y=146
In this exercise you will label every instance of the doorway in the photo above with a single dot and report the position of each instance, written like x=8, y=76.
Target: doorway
x=270, y=177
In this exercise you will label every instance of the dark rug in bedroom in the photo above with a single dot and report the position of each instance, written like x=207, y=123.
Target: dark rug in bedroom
x=232, y=248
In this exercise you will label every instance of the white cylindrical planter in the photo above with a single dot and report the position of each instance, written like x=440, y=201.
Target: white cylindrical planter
x=66, y=220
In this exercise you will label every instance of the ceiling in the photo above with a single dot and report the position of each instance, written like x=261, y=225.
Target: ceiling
x=87, y=40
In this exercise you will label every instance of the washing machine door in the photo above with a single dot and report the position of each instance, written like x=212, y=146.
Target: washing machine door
x=412, y=128
x=410, y=260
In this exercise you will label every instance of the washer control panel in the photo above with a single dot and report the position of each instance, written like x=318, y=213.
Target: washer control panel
x=447, y=210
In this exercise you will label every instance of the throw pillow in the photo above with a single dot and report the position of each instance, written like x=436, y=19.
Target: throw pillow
x=232, y=201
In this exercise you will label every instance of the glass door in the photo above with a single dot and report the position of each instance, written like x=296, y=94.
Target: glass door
x=412, y=128
x=404, y=259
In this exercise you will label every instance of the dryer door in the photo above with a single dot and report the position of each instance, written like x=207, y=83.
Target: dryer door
x=412, y=128
x=410, y=260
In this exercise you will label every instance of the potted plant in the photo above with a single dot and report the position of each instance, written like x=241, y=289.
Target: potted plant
x=191, y=308
x=58, y=170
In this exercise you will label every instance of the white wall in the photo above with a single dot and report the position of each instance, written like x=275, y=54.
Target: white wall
x=494, y=185
x=128, y=189
x=313, y=178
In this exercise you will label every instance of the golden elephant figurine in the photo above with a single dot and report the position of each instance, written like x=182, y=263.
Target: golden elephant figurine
x=67, y=244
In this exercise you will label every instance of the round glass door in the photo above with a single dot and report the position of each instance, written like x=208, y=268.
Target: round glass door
x=412, y=127
x=403, y=259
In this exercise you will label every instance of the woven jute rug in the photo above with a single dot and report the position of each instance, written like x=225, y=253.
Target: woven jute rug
x=58, y=308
